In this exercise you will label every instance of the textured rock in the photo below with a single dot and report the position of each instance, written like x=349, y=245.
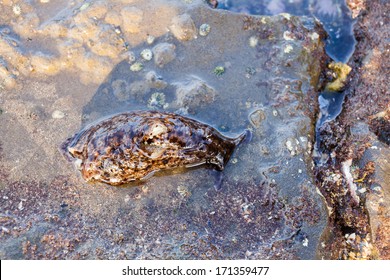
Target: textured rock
x=164, y=53
x=359, y=136
x=193, y=94
x=132, y=18
x=183, y=27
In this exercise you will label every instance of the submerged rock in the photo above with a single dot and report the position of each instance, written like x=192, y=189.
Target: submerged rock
x=193, y=94
x=164, y=53
x=183, y=27
x=268, y=206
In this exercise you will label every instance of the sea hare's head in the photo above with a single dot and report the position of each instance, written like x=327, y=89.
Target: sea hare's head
x=71, y=151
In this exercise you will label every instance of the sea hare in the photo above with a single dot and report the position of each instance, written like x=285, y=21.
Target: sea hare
x=133, y=146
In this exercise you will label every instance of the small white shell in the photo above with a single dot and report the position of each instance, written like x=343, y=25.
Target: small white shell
x=150, y=39
x=147, y=54
x=17, y=10
x=253, y=41
x=204, y=29
x=57, y=114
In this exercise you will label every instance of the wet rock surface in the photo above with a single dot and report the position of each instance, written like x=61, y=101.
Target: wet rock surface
x=268, y=207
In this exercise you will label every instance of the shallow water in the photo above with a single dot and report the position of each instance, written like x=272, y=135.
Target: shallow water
x=336, y=18
x=268, y=199
x=333, y=14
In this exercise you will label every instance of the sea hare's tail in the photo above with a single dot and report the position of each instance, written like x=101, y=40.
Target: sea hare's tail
x=244, y=137
x=229, y=145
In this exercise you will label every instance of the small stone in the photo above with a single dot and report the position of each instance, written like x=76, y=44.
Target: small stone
x=253, y=41
x=44, y=1
x=183, y=191
x=183, y=27
x=84, y=6
x=150, y=39
x=288, y=36
x=155, y=81
x=4, y=229
x=204, y=29
x=164, y=53
x=292, y=145
x=194, y=93
x=314, y=36
x=286, y=16
x=362, y=190
x=288, y=49
x=257, y=117
x=20, y=206
x=57, y=114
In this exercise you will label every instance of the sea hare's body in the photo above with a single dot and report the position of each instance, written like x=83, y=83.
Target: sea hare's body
x=132, y=146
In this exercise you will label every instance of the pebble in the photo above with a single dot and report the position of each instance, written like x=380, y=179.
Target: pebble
x=84, y=6
x=164, y=53
x=4, y=229
x=194, y=93
x=20, y=206
x=183, y=27
x=155, y=81
x=57, y=114
x=257, y=117
x=150, y=39
x=288, y=49
x=183, y=191
x=253, y=41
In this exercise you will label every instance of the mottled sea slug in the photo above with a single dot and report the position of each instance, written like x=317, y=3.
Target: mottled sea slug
x=133, y=146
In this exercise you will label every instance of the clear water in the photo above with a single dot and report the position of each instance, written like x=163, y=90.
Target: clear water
x=333, y=14
x=336, y=19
